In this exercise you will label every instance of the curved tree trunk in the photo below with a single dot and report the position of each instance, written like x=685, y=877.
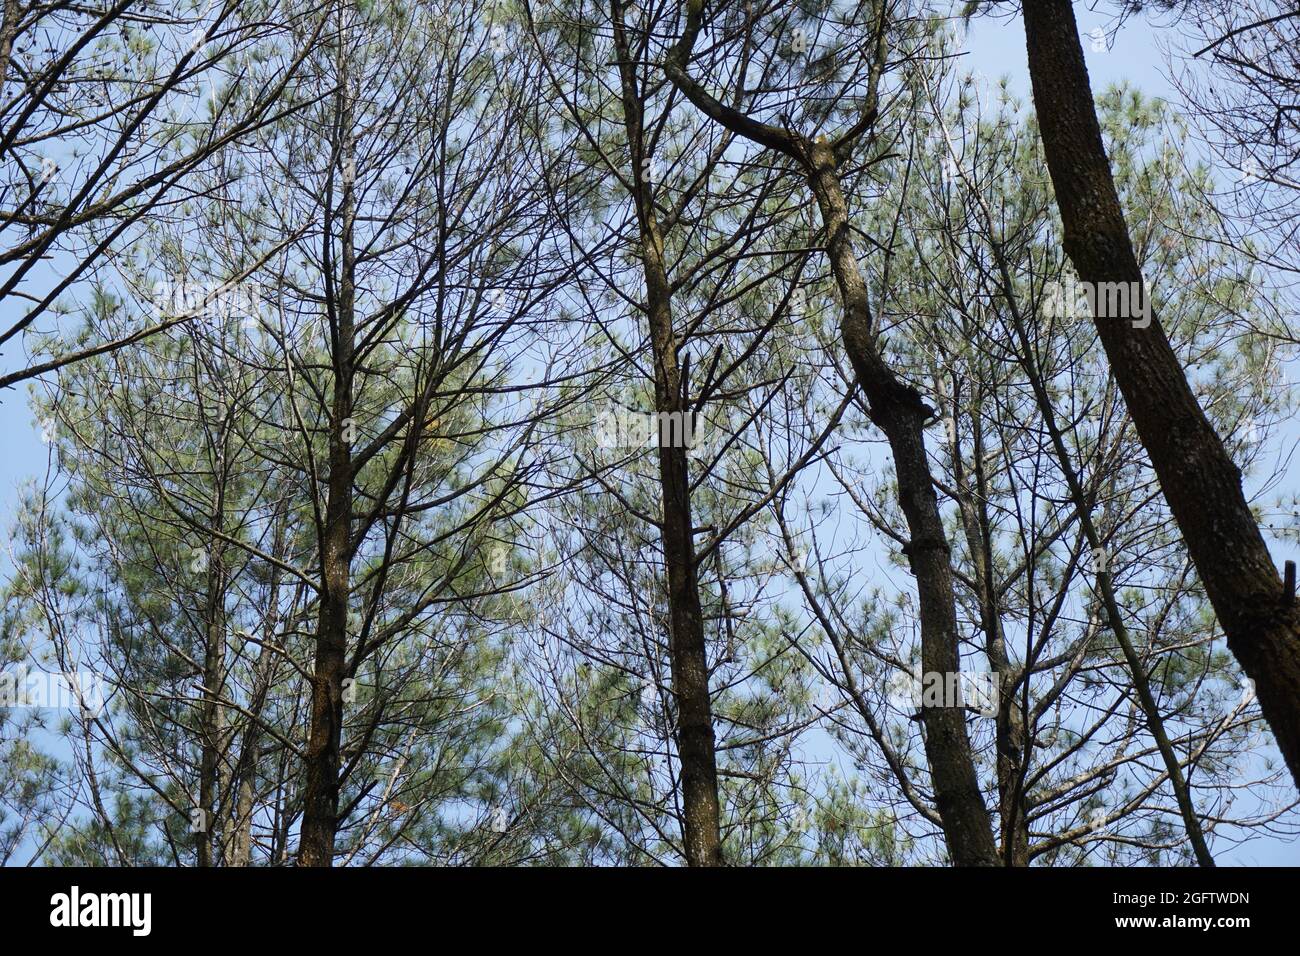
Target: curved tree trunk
x=898, y=410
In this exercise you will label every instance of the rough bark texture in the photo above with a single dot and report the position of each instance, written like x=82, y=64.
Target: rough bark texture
x=695, y=741
x=1200, y=481
x=898, y=410
x=696, y=746
x=321, y=793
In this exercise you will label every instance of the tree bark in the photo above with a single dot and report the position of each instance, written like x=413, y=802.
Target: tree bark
x=214, y=679
x=695, y=740
x=696, y=745
x=321, y=794
x=898, y=410
x=1200, y=481
x=1010, y=725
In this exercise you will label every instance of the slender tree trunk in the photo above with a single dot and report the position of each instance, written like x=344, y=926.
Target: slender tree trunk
x=212, y=717
x=898, y=410
x=696, y=746
x=245, y=777
x=241, y=841
x=1106, y=587
x=1200, y=481
x=1010, y=728
x=214, y=660
x=321, y=796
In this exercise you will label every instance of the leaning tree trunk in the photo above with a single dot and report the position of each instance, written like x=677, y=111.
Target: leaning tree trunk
x=1200, y=481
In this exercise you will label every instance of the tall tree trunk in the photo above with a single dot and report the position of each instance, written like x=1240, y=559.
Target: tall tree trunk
x=212, y=751
x=1200, y=481
x=695, y=741
x=321, y=796
x=898, y=410
x=1010, y=726
x=696, y=746
x=214, y=678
